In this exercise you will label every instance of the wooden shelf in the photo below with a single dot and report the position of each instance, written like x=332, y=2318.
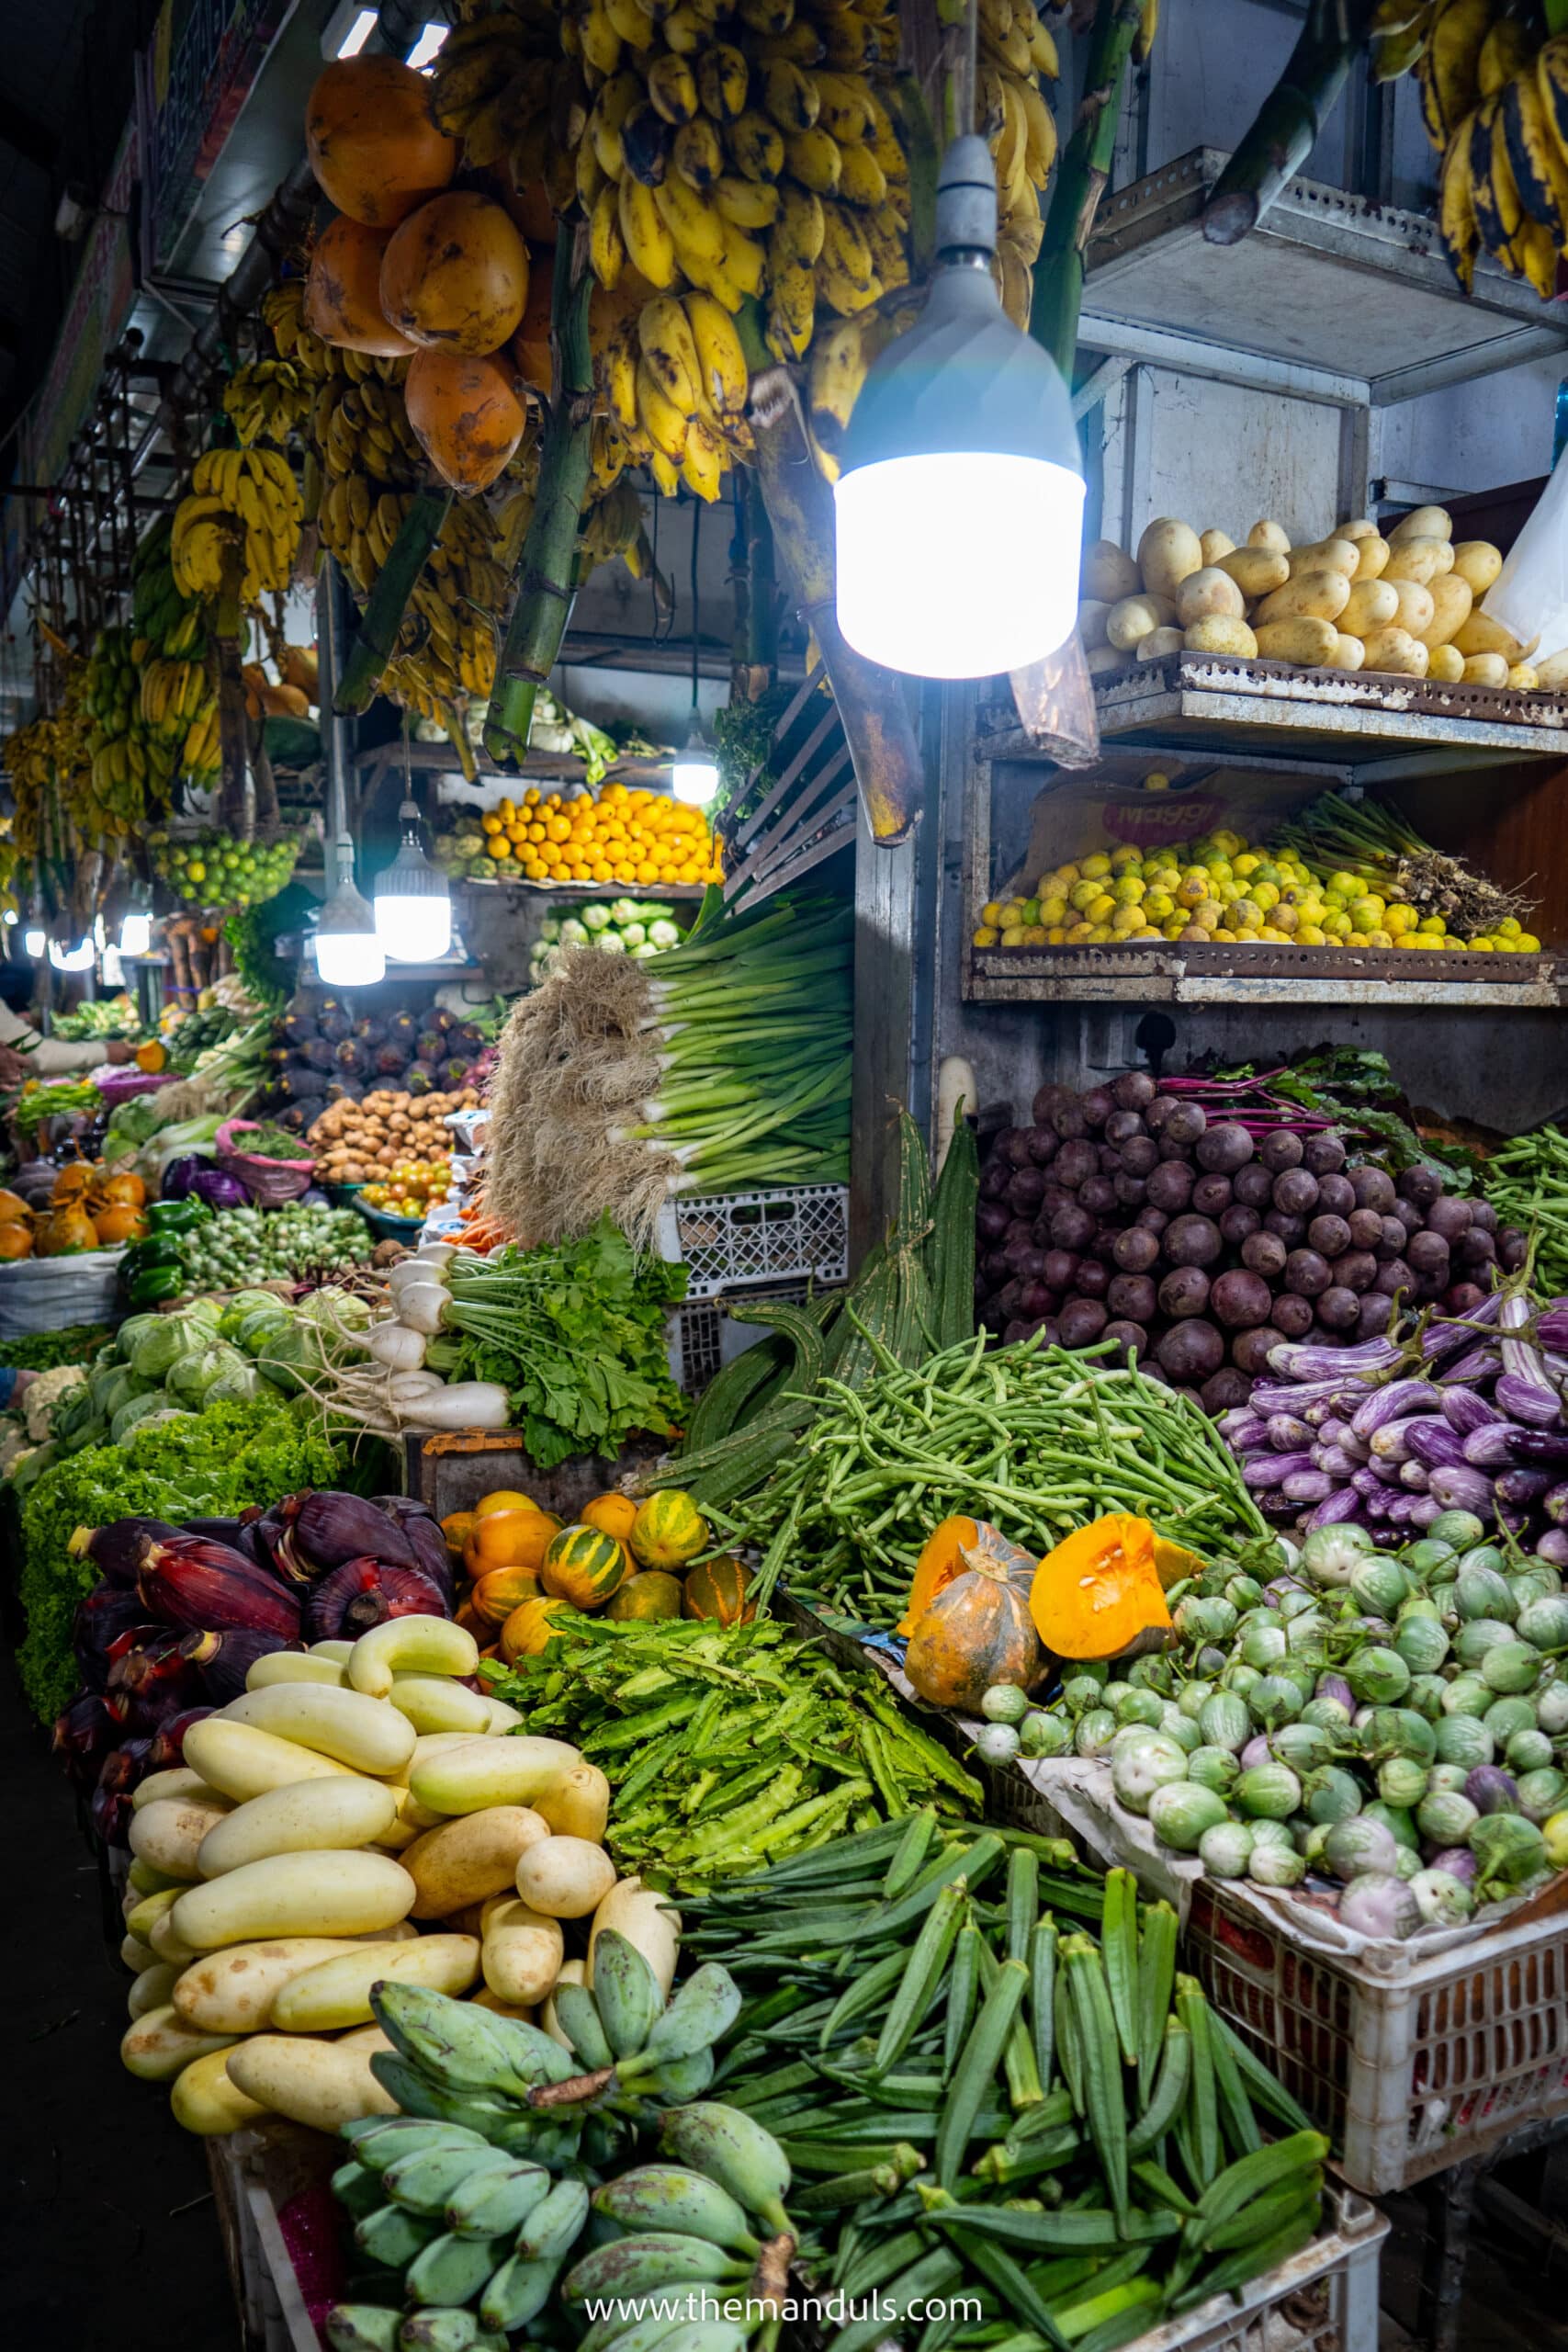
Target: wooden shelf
x=1263, y=975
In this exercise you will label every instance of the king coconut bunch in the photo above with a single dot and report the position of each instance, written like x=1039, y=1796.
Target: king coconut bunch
x=725, y=157
x=1494, y=94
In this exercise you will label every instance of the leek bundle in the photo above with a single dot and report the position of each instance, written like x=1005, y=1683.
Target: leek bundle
x=722, y=1067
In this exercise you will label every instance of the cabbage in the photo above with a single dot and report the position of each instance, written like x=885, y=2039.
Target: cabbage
x=240, y=1386
x=244, y=1303
x=133, y=1329
x=191, y=1376
x=1180, y=1812
x=260, y=1329
x=173, y=1336
x=121, y=1385
x=131, y=1416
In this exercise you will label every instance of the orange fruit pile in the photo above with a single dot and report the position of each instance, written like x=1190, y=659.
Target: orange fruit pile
x=622, y=834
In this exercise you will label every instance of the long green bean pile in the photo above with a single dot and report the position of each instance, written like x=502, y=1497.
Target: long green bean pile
x=1036, y=1439
x=728, y=1749
x=1526, y=1183
x=987, y=2103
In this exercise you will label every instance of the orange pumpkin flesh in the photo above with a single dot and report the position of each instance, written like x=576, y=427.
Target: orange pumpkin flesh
x=946, y=1554
x=466, y=415
x=455, y=275
x=342, y=299
x=373, y=147
x=1098, y=1595
x=974, y=1632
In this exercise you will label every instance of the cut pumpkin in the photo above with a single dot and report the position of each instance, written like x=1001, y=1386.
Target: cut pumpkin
x=974, y=1632
x=1098, y=1594
x=944, y=1556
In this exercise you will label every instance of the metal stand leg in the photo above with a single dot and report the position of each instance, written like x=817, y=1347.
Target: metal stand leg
x=1450, y=2209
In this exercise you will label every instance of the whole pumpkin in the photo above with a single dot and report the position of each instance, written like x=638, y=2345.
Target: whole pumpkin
x=343, y=297
x=976, y=1631
x=669, y=1531
x=533, y=1626
x=615, y=1515
x=494, y=1597
x=16, y=1240
x=373, y=147
x=650, y=1594
x=466, y=415
x=717, y=1590
x=508, y=1539
x=585, y=1566
x=455, y=275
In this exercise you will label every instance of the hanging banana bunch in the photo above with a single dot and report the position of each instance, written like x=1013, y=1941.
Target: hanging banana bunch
x=244, y=503
x=1495, y=105
x=725, y=157
x=178, y=709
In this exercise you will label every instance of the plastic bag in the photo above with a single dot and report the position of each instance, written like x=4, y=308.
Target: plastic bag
x=1530, y=596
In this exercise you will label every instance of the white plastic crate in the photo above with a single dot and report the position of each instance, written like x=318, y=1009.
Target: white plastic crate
x=701, y=1338
x=1323, y=2299
x=1430, y=2064
x=722, y=1238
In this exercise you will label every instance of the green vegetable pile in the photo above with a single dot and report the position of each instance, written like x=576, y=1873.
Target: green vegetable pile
x=242, y=1246
x=575, y=1331
x=42, y=1351
x=640, y=928
x=1526, y=1183
x=1411, y=1709
x=206, y=1466
x=58, y=1098
x=726, y=1750
x=1037, y=1440
x=989, y=2100
x=107, y=1016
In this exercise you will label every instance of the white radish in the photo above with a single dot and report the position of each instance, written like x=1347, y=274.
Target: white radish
x=465, y=1404
x=410, y=1272
x=422, y=1307
x=405, y=1387
x=400, y=1349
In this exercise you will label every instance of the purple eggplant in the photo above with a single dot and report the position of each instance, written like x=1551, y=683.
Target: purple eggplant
x=1551, y=1324
x=1525, y=1398
x=1390, y=1441
x=1400, y=1398
x=1443, y=1338
x=1552, y=1547
x=1308, y=1362
x=1286, y=1434
x=1335, y=1460
x=1434, y=1443
x=1492, y=1448
x=1307, y=1487
x=1265, y=1470
x=1414, y=1477
x=1462, y=1489
x=1242, y=1431
x=1518, y=1490
x=1481, y=1364
x=1541, y=1446
x=1464, y=1411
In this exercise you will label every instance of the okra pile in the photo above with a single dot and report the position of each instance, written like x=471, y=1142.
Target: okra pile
x=984, y=2101
x=729, y=1748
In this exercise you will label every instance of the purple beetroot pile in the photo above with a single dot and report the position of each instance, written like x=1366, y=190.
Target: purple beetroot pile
x=1124, y=1213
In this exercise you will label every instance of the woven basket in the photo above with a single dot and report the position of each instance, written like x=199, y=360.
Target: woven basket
x=269, y=1182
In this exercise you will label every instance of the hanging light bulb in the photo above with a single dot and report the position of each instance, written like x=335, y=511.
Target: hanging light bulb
x=413, y=899
x=348, y=953
x=71, y=959
x=136, y=934
x=959, y=506
x=694, y=777
x=33, y=940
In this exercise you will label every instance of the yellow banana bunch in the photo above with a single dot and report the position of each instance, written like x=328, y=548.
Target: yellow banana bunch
x=243, y=507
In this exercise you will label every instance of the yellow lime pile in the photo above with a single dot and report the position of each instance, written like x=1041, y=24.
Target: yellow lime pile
x=1222, y=890
x=620, y=835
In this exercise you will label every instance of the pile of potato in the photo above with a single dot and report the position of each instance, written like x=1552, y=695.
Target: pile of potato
x=1404, y=605
x=359, y=1814
x=356, y=1143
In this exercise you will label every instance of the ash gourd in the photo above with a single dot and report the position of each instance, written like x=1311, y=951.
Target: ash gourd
x=1201, y=1244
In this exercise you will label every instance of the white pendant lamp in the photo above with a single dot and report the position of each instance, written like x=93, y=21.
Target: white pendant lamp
x=413, y=899
x=959, y=506
x=71, y=959
x=349, y=954
x=33, y=941
x=136, y=934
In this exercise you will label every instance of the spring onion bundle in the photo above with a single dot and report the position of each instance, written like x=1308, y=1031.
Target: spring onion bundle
x=727, y=1069
x=1371, y=840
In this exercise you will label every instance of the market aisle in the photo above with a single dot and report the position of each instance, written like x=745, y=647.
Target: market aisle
x=109, y=2228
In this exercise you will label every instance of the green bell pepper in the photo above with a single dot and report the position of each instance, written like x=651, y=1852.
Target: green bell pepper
x=177, y=1216
x=154, y=1285
x=158, y=1250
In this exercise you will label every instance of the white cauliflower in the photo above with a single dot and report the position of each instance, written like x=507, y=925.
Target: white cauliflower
x=37, y=1405
x=13, y=1446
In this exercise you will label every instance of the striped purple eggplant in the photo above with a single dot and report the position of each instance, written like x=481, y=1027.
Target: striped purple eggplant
x=1464, y=1411
x=1393, y=1404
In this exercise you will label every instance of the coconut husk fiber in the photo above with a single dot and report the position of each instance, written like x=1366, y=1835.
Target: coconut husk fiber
x=575, y=1069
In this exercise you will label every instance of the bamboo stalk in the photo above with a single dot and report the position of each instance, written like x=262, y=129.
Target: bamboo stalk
x=545, y=594
x=1287, y=125
x=870, y=700
x=233, y=818
x=1081, y=181
x=376, y=637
